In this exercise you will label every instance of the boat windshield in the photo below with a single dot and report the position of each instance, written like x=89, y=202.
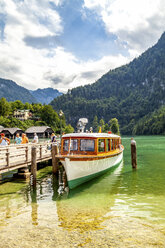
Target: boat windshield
x=87, y=145
x=66, y=145
x=74, y=145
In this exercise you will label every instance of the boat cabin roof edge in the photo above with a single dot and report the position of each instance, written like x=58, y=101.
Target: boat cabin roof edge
x=90, y=135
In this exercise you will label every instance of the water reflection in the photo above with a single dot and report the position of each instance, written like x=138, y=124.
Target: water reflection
x=121, y=192
x=11, y=203
x=88, y=206
x=54, y=187
x=34, y=205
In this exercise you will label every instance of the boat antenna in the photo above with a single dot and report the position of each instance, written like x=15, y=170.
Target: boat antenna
x=81, y=124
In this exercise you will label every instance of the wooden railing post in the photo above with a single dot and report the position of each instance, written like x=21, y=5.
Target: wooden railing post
x=54, y=159
x=26, y=154
x=33, y=165
x=7, y=157
x=40, y=151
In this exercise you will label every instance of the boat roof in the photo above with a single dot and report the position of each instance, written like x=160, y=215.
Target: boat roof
x=90, y=135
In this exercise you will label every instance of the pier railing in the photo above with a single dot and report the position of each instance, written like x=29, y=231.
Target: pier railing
x=16, y=156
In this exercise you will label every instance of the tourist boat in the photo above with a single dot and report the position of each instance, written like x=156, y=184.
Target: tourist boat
x=87, y=155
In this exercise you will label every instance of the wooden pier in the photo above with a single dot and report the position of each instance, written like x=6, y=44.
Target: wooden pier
x=20, y=156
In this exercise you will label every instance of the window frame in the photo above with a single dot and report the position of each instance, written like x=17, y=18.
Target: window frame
x=81, y=139
x=98, y=145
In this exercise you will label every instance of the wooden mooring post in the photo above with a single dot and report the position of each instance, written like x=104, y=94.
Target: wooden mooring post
x=33, y=165
x=55, y=160
x=133, y=154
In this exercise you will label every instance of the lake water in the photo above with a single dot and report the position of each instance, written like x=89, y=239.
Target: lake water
x=123, y=208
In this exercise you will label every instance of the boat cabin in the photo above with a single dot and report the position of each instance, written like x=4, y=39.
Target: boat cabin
x=89, y=143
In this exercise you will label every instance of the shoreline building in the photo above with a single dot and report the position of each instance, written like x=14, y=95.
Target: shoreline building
x=23, y=115
x=41, y=131
x=11, y=132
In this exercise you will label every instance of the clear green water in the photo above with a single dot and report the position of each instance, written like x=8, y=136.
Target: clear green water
x=122, y=192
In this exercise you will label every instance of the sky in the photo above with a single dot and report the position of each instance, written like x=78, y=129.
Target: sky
x=67, y=43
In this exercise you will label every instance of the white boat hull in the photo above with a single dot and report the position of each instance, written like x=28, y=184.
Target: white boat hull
x=79, y=171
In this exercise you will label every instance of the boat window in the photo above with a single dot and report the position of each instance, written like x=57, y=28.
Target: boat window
x=66, y=145
x=107, y=142
x=117, y=143
x=74, y=145
x=101, y=145
x=87, y=145
x=112, y=144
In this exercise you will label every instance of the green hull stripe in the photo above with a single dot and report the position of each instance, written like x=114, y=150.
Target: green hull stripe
x=75, y=182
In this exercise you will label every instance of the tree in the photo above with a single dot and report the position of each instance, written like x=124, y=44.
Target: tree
x=17, y=105
x=95, y=124
x=106, y=128
x=114, y=126
x=40, y=123
x=102, y=124
x=4, y=107
x=48, y=115
x=69, y=129
x=27, y=105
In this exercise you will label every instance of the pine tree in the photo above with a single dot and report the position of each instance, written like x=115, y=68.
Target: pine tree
x=102, y=124
x=114, y=126
x=95, y=124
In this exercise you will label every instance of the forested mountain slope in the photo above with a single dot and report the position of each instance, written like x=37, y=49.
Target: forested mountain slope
x=45, y=96
x=12, y=91
x=153, y=123
x=128, y=93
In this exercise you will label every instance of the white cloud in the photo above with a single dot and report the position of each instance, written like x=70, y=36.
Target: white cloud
x=22, y=19
x=80, y=73
x=35, y=68
x=137, y=22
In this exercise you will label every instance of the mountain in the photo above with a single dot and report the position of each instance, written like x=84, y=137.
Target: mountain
x=153, y=123
x=128, y=93
x=45, y=95
x=12, y=91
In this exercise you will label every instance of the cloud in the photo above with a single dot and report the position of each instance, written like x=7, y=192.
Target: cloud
x=80, y=73
x=88, y=74
x=59, y=79
x=43, y=42
x=139, y=23
x=34, y=54
x=22, y=20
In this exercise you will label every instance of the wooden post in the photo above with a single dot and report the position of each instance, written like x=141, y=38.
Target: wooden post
x=133, y=154
x=40, y=151
x=54, y=159
x=7, y=157
x=26, y=153
x=33, y=165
